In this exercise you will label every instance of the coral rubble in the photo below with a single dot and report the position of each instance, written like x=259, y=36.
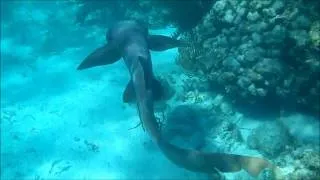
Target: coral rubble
x=300, y=163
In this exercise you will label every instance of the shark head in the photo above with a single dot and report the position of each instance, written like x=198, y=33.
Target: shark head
x=123, y=32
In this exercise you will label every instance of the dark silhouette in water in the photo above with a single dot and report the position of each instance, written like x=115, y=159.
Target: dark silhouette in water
x=130, y=40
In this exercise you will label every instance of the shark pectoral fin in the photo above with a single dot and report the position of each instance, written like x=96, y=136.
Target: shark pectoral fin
x=157, y=90
x=128, y=95
x=104, y=55
x=233, y=163
x=162, y=43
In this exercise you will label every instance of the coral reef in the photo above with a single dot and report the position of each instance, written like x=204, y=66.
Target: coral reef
x=275, y=139
x=185, y=125
x=270, y=138
x=259, y=52
x=155, y=13
x=220, y=119
x=300, y=163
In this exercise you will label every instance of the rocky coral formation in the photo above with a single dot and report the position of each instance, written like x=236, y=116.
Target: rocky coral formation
x=270, y=138
x=259, y=52
x=185, y=125
x=300, y=163
x=155, y=13
x=215, y=118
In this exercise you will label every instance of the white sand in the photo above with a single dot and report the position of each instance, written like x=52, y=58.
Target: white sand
x=60, y=114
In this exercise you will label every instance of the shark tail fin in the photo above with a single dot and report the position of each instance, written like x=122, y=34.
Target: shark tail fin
x=104, y=55
x=254, y=166
x=157, y=92
x=215, y=162
x=162, y=43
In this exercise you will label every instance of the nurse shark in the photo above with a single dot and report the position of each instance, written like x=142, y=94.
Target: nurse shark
x=132, y=41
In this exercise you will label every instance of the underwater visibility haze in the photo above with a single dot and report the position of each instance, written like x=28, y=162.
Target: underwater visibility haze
x=152, y=89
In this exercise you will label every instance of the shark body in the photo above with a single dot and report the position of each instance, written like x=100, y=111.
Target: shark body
x=130, y=40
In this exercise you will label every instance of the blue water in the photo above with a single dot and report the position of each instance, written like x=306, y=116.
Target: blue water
x=60, y=123
x=53, y=116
